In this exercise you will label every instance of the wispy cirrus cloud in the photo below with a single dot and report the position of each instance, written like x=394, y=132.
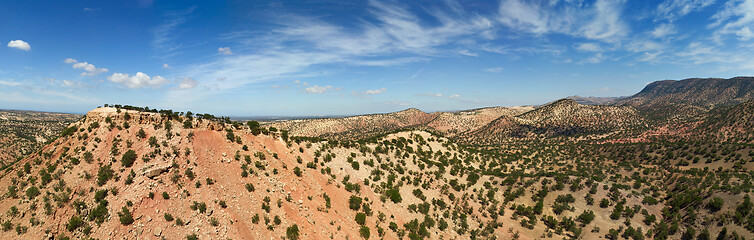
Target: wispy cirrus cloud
x=600, y=20
x=494, y=69
x=9, y=83
x=393, y=36
x=736, y=18
x=164, y=35
x=672, y=10
x=224, y=51
x=440, y=95
x=663, y=30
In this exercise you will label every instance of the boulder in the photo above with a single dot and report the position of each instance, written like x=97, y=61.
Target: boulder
x=156, y=170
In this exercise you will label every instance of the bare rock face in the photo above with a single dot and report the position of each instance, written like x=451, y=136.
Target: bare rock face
x=155, y=171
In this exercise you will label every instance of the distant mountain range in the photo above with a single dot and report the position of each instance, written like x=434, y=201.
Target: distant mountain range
x=658, y=104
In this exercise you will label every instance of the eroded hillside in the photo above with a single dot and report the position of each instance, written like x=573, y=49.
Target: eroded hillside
x=122, y=174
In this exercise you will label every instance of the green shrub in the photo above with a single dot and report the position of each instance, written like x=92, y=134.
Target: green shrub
x=586, y=217
x=716, y=204
x=168, y=217
x=69, y=131
x=74, y=223
x=354, y=202
x=32, y=192
x=100, y=195
x=364, y=232
x=7, y=226
x=394, y=195
x=128, y=158
x=292, y=232
x=361, y=218
x=104, y=174
x=99, y=213
x=125, y=216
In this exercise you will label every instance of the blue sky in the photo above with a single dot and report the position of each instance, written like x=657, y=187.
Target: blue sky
x=332, y=57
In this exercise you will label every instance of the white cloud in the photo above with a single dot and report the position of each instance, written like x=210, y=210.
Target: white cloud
x=440, y=95
x=494, y=70
x=675, y=9
x=433, y=94
x=393, y=36
x=9, y=83
x=588, y=47
x=642, y=45
x=370, y=92
x=596, y=58
x=224, y=51
x=70, y=61
x=318, y=89
x=649, y=56
x=90, y=70
x=19, y=44
x=417, y=74
x=600, y=20
x=606, y=23
x=744, y=34
x=187, y=83
x=165, y=33
x=375, y=91
x=736, y=17
x=139, y=80
x=467, y=53
x=72, y=84
x=663, y=30
x=166, y=66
